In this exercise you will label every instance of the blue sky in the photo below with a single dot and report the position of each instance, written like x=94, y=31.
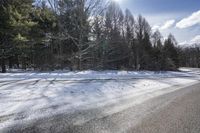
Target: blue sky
x=179, y=17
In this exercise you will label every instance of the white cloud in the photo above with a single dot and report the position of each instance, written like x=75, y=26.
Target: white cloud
x=155, y=27
x=195, y=40
x=192, y=20
x=168, y=24
x=183, y=43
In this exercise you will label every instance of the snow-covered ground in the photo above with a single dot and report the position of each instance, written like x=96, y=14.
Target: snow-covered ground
x=27, y=96
x=82, y=75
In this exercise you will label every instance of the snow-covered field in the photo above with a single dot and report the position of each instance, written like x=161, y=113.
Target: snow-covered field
x=27, y=96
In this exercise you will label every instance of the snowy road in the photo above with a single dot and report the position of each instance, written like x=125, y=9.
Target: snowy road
x=26, y=98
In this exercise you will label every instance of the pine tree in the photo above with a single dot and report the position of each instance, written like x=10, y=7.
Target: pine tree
x=118, y=52
x=15, y=29
x=170, y=51
x=130, y=36
x=144, y=46
x=42, y=36
x=4, y=34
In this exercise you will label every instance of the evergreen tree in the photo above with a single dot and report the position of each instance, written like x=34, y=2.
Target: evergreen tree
x=5, y=35
x=130, y=36
x=157, y=54
x=42, y=36
x=118, y=52
x=144, y=46
x=170, y=51
x=17, y=22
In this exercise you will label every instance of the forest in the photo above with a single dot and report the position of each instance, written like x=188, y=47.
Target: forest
x=48, y=35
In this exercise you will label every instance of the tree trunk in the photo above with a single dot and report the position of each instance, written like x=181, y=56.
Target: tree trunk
x=10, y=62
x=79, y=64
x=3, y=65
x=24, y=63
x=17, y=61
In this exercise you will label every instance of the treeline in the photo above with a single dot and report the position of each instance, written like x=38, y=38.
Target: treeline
x=83, y=34
x=190, y=56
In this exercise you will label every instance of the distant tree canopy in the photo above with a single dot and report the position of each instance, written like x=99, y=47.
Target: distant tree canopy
x=84, y=34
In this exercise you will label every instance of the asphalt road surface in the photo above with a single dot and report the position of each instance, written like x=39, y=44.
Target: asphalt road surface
x=182, y=115
x=175, y=112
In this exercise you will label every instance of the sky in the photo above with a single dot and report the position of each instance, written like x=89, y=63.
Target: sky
x=179, y=17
